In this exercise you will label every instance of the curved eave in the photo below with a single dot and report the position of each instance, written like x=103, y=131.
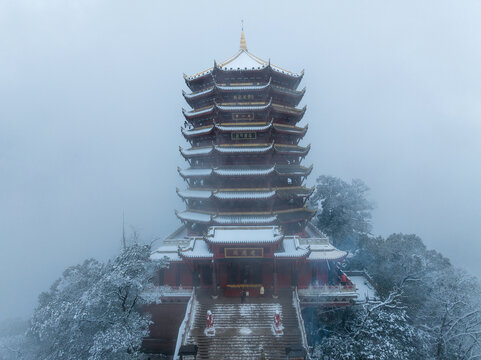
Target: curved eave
x=200, y=131
x=229, y=108
x=326, y=253
x=289, y=110
x=203, y=75
x=295, y=215
x=187, y=256
x=305, y=171
x=268, y=69
x=245, y=194
x=280, y=170
x=235, y=218
x=199, y=94
x=220, y=89
x=245, y=149
x=286, y=91
x=194, y=152
x=292, y=149
x=234, y=127
x=289, y=129
x=298, y=254
x=194, y=216
x=267, y=89
x=198, y=113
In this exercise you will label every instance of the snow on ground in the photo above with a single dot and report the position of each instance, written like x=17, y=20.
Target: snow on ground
x=364, y=290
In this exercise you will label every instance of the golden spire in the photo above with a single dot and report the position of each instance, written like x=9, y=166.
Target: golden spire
x=243, y=43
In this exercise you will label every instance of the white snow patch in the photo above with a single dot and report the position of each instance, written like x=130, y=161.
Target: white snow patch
x=245, y=331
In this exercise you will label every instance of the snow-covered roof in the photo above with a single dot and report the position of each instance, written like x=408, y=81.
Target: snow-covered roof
x=197, y=248
x=247, y=170
x=244, y=127
x=199, y=93
x=199, y=131
x=224, y=195
x=196, y=151
x=244, y=170
x=244, y=219
x=290, y=129
x=289, y=109
x=291, y=248
x=247, y=107
x=292, y=149
x=243, y=60
x=293, y=170
x=245, y=149
x=268, y=87
x=166, y=251
x=244, y=87
x=193, y=172
x=194, y=216
x=216, y=86
x=245, y=194
x=243, y=234
x=198, y=112
x=322, y=249
x=258, y=126
x=195, y=194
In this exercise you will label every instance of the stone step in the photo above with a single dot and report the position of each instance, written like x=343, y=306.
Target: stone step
x=243, y=329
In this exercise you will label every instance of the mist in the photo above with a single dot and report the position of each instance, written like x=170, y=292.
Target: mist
x=90, y=116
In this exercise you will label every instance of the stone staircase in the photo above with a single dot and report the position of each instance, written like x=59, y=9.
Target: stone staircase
x=242, y=330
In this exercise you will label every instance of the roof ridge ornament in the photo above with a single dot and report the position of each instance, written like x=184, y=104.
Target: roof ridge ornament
x=243, y=43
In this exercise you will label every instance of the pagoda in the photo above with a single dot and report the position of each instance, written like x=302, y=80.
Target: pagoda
x=244, y=156
x=246, y=228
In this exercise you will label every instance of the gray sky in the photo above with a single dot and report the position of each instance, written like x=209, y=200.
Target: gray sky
x=90, y=99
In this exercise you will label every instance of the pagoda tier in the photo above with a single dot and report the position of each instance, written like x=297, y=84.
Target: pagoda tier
x=246, y=67
x=245, y=111
x=256, y=176
x=245, y=157
x=245, y=153
x=221, y=93
x=223, y=133
x=236, y=199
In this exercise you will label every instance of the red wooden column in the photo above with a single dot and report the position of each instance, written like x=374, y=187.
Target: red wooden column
x=275, y=279
x=214, y=280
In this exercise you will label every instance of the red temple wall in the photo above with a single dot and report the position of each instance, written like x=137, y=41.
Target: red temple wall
x=170, y=274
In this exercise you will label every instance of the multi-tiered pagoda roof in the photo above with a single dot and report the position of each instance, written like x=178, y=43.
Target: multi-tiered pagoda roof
x=244, y=155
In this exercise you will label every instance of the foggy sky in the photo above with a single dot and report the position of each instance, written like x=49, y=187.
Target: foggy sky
x=90, y=116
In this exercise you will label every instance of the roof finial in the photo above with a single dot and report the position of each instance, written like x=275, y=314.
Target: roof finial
x=243, y=43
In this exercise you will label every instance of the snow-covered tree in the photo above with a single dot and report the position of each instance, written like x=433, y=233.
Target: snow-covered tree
x=344, y=212
x=452, y=315
x=441, y=300
x=94, y=310
x=375, y=331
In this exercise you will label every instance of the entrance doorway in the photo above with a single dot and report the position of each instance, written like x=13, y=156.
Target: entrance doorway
x=244, y=272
